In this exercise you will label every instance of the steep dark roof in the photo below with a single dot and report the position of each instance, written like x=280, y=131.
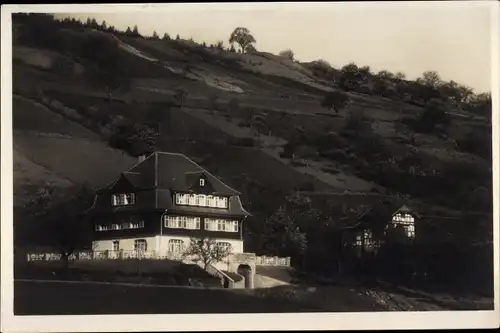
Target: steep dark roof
x=157, y=178
x=172, y=171
x=379, y=215
x=406, y=209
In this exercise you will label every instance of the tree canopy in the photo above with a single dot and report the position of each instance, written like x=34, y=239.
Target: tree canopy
x=242, y=37
x=287, y=54
x=336, y=100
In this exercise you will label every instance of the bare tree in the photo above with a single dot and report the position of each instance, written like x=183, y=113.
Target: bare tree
x=207, y=251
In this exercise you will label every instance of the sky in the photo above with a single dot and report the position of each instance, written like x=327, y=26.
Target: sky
x=452, y=38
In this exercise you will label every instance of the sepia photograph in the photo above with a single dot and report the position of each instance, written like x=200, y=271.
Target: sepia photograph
x=308, y=160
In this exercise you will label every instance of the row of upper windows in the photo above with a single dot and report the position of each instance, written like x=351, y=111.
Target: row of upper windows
x=199, y=200
x=119, y=226
x=403, y=219
x=177, y=222
x=194, y=223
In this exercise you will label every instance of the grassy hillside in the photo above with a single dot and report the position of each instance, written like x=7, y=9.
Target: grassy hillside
x=255, y=120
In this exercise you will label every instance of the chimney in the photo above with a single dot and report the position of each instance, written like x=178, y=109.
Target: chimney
x=141, y=158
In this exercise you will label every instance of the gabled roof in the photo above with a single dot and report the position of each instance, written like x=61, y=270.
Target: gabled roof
x=380, y=214
x=405, y=209
x=172, y=171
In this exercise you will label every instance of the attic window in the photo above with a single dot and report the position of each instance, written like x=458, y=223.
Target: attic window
x=202, y=182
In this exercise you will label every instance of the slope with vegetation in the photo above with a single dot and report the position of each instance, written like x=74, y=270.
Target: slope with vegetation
x=267, y=124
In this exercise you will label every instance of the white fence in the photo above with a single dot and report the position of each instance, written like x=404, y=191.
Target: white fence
x=102, y=255
x=123, y=255
x=272, y=261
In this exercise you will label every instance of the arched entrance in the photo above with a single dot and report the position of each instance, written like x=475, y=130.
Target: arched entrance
x=246, y=271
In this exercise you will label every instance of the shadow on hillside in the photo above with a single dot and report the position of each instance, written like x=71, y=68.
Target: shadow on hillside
x=153, y=272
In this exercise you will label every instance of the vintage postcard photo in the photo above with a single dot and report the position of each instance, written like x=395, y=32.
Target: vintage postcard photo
x=203, y=166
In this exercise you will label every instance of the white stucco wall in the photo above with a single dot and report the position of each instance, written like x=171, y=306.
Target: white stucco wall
x=163, y=241
x=159, y=244
x=126, y=244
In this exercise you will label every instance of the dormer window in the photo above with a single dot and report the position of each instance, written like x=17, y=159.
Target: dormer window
x=123, y=199
x=202, y=182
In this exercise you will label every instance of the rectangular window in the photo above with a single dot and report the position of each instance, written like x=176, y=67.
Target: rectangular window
x=193, y=223
x=221, y=225
x=182, y=222
x=123, y=199
x=368, y=238
x=225, y=245
x=210, y=224
x=210, y=201
x=116, y=246
x=221, y=202
x=202, y=199
x=140, y=245
x=181, y=199
x=176, y=246
x=137, y=225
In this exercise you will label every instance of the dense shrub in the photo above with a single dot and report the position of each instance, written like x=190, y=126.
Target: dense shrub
x=479, y=145
x=433, y=119
x=243, y=142
x=335, y=100
x=287, y=54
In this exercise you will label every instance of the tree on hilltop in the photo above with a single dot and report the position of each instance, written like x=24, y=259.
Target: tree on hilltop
x=430, y=79
x=400, y=76
x=287, y=54
x=242, y=37
x=220, y=45
x=135, y=31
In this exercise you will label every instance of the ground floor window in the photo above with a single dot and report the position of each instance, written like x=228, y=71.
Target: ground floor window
x=225, y=245
x=176, y=245
x=116, y=245
x=140, y=245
